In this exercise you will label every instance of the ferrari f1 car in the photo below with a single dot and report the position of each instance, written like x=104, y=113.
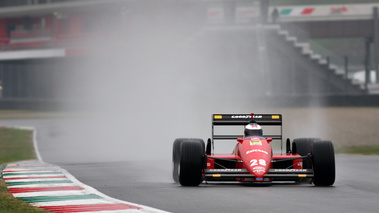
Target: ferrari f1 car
x=306, y=160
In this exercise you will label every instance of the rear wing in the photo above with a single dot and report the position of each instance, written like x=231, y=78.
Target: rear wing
x=244, y=119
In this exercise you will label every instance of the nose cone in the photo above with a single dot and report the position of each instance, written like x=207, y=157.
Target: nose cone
x=256, y=155
x=259, y=171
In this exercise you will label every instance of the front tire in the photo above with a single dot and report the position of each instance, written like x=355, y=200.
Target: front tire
x=191, y=163
x=323, y=163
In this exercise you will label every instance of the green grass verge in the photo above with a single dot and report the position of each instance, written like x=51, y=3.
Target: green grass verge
x=15, y=145
x=358, y=150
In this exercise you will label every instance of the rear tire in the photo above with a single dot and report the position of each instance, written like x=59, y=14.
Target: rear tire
x=191, y=162
x=175, y=158
x=176, y=155
x=303, y=146
x=323, y=163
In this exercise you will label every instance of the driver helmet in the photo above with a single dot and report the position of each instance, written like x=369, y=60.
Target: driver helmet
x=253, y=129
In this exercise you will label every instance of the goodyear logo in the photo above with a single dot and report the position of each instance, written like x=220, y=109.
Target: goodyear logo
x=275, y=116
x=255, y=142
x=217, y=116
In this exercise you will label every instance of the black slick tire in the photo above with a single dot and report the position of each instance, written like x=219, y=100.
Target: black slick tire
x=323, y=163
x=191, y=163
x=175, y=158
x=176, y=155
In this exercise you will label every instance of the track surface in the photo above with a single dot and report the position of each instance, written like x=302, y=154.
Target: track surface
x=149, y=182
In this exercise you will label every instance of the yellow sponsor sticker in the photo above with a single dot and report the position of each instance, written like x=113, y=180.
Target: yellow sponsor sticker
x=255, y=142
x=302, y=176
x=216, y=175
x=218, y=117
x=275, y=117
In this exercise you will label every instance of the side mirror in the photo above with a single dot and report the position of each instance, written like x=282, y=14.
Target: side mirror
x=269, y=140
x=239, y=140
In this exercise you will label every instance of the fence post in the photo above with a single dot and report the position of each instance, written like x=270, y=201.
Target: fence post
x=346, y=74
x=367, y=63
x=376, y=42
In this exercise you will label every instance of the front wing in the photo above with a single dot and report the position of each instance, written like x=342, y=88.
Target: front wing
x=273, y=174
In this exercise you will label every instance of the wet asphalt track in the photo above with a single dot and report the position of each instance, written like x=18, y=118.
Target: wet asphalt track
x=149, y=182
x=356, y=189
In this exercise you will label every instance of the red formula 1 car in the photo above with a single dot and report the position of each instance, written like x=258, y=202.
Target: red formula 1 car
x=252, y=160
